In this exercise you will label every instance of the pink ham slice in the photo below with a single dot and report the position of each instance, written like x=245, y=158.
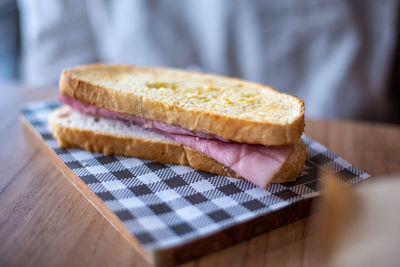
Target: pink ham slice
x=256, y=163
x=145, y=123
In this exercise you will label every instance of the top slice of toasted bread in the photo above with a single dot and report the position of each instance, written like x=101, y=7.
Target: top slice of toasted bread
x=234, y=109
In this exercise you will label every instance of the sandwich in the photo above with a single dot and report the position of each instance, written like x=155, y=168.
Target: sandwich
x=215, y=124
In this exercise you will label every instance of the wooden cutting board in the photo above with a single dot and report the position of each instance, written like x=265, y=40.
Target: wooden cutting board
x=171, y=214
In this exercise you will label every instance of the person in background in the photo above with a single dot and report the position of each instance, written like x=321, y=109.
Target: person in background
x=336, y=55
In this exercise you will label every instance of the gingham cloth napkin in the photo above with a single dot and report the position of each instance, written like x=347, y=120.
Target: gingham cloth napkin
x=166, y=205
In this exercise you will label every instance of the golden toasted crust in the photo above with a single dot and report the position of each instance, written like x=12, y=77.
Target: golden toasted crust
x=77, y=83
x=92, y=141
x=293, y=165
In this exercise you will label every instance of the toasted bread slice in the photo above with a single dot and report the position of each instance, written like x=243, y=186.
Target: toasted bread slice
x=233, y=109
x=108, y=136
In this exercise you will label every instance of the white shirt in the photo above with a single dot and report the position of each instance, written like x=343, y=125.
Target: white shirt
x=333, y=54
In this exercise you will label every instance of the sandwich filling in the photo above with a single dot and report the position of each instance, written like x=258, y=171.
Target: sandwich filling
x=256, y=163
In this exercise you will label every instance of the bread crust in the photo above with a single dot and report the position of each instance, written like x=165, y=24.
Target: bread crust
x=69, y=137
x=234, y=129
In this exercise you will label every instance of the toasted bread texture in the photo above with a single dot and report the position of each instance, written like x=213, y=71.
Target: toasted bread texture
x=115, y=137
x=233, y=109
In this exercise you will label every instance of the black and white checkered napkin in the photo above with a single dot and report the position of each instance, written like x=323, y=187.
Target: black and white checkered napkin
x=166, y=205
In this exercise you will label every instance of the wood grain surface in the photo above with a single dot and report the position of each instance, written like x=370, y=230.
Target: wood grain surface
x=45, y=221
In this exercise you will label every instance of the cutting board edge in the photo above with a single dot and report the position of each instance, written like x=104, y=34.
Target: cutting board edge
x=94, y=200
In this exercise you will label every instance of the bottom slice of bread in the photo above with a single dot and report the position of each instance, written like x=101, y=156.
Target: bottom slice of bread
x=115, y=137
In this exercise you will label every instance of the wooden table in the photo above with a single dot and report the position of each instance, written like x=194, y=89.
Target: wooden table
x=44, y=220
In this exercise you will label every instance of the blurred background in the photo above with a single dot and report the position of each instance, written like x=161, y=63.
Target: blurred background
x=342, y=57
